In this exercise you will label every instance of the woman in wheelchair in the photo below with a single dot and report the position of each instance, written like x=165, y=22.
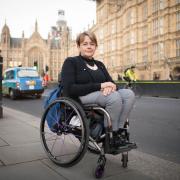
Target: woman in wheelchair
x=86, y=111
x=87, y=81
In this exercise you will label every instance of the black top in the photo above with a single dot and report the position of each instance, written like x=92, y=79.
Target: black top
x=90, y=62
x=78, y=80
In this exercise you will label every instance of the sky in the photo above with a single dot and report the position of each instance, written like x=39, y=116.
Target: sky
x=21, y=15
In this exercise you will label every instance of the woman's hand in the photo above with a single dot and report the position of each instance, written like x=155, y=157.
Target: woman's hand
x=106, y=91
x=108, y=84
x=107, y=88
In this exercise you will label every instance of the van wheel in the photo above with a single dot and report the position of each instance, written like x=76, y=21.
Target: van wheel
x=12, y=94
x=38, y=96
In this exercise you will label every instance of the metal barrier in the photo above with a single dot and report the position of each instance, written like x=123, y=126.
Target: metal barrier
x=157, y=88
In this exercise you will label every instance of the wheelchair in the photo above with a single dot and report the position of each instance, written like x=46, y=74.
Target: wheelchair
x=76, y=131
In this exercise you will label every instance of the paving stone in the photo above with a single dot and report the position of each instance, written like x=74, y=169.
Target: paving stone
x=21, y=154
x=3, y=143
x=29, y=171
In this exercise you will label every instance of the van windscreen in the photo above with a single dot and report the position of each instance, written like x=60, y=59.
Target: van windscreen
x=27, y=73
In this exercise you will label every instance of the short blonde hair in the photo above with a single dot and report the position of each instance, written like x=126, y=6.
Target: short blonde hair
x=81, y=36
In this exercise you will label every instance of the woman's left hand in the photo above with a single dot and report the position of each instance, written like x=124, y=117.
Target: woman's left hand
x=108, y=90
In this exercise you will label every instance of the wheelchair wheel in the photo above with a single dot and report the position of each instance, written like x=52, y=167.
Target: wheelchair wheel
x=67, y=143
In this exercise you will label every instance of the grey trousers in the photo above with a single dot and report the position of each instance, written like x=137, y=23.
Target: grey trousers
x=118, y=104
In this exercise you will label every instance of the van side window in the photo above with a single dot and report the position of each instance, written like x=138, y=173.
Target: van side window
x=10, y=74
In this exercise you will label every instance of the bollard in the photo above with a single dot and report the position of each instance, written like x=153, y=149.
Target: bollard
x=1, y=69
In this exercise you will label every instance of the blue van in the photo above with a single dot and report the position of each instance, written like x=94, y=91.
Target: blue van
x=19, y=81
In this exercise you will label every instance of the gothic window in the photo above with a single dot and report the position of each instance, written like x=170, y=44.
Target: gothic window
x=155, y=27
x=158, y=26
x=113, y=62
x=161, y=25
x=119, y=60
x=158, y=5
x=113, y=28
x=128, y=18
x=127, y=57
x=158, y=51
x=144, y=11
x=112, y=45
x=155, y=5
x=101, y=49
x=161, y=4
x=178, y=21
x=144, y=33
x=4, y=39
x=101, y=34
x=132, y=37
x=127, y=39
x=155, y=51
x=178, y=47
x=133, y=16
x=101, y=14
x=145, y=55
x=131, y=57
x=161, y=50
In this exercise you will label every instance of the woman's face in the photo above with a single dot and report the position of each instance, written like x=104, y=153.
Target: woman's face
x=87, y=48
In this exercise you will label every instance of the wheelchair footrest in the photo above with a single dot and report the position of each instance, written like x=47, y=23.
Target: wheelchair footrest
x=122, y=149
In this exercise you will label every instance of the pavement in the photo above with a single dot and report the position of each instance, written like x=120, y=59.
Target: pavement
x=23, y=158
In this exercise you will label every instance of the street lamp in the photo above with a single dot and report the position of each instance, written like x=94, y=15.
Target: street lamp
x=1, y=69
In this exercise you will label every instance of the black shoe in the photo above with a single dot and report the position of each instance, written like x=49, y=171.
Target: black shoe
x=117, y=140
x=121, y=131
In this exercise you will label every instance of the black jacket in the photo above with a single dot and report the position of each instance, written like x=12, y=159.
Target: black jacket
x=76, y=77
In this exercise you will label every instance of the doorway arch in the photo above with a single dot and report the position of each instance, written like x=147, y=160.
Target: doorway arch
x=35, y=54
x=176, y=73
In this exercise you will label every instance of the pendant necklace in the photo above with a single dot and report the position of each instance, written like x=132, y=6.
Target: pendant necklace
x=94, y=67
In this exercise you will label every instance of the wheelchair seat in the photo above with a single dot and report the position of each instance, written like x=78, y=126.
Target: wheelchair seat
x=90, y=105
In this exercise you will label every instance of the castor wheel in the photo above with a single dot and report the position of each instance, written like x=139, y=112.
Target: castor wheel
x=124, y=159
x=99, y=170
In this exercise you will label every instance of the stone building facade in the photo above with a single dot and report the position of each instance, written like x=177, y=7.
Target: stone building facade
x=145, y=33
x=25, y=51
